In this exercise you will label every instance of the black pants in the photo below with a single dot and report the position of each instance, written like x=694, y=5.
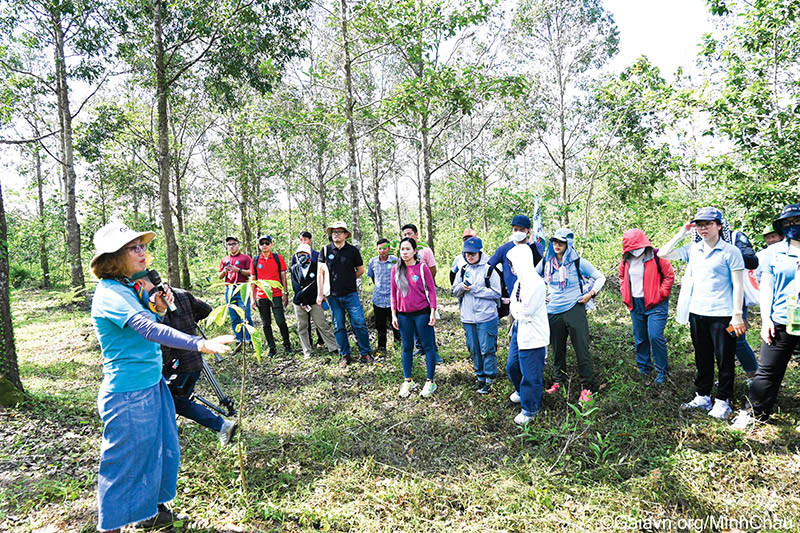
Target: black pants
x=712, y=343
x=573, y=324
x=382, y=316
x=771, y=369
x=265, y=309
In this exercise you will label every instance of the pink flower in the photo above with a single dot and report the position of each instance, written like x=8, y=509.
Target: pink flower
x=554, y=388
x=586, y=396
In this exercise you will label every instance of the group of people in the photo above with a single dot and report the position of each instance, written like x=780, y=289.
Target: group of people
x=547, y=293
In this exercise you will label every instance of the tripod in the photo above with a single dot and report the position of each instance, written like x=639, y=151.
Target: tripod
x=222, y=398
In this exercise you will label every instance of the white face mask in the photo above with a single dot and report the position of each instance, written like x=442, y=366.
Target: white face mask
x=519, y=236
x=637, y=252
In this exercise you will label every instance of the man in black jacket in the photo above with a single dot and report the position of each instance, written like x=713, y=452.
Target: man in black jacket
x=182, y=367
x=306, y=308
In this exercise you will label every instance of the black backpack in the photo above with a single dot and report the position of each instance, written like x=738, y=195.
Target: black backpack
x=503, y=308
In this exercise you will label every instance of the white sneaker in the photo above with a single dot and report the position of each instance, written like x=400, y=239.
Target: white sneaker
x=743, y=420
x=699, y=402
x=514, y=397
x=227, y=432
x=521, y=419
x=721, y=410
x=428, y=389
x=406, y=388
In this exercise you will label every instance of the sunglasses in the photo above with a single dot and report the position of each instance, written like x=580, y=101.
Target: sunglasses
x=137, y=248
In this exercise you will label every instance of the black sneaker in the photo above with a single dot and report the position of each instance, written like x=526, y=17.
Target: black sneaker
x=288, y=350
x=478, y=384
x=163, y=519
x=486, y=389
x=272, y=352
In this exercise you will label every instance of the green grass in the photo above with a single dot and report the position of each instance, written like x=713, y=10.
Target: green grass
x=326, y=449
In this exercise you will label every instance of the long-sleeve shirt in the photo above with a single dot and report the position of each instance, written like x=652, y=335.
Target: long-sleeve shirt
x=417, y=298
x=564, y=299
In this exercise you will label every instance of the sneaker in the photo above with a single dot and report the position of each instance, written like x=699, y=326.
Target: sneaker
x=743, y=419
x=721, y=409
x=486, y=389
x=660, y=380
x=367, y=358
x=515, y=397
x=521, y=419
x=439, y=360
x=344, y=361
x=272, y=352
x=227, y=432
x=699, y=402
x=406, y=388
x=162, y=519
x=479, y=383
x=288, y=350
x=428, y=389
x=553, y=388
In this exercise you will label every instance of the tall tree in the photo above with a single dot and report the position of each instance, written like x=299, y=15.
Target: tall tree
x=10, y=384
x=228, y=41
x=560, y=44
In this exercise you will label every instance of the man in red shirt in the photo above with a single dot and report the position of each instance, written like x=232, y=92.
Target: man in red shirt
x=235, y=269
x=269, y=265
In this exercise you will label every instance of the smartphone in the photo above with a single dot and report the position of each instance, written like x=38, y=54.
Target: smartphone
x=731, y=331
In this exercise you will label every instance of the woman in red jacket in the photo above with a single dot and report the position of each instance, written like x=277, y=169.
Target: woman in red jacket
x=645, y=281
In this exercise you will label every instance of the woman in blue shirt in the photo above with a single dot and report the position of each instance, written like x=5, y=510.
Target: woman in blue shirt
x=139, y=455
x=780, y=332
x=567, y=295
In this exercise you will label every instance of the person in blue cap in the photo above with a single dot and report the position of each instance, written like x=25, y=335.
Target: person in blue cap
x=520, y=236
x=780, y=316
x=711, y=298
x=478, y=301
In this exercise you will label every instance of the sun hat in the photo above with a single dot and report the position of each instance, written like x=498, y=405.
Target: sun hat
x=111, y=237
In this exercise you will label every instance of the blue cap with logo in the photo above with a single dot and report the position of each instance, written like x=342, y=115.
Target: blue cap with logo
x=708, y=214
x=473, y=245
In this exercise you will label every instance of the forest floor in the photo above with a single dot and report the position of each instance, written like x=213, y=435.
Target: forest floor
x=331, y=449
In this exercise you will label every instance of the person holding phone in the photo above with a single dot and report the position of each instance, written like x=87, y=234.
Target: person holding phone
x=713, y=292
x=780, y=316
x=478, y=302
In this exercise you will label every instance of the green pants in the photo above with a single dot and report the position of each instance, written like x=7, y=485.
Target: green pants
x=573, y=323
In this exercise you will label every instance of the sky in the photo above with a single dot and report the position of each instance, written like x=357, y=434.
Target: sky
x=666, y=31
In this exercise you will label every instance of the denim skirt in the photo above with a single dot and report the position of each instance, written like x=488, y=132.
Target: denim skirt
x=139, y=456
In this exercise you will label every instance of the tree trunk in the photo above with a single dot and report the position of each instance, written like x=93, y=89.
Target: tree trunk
x=43, y=261
x=397, y=207
x=323, y=193
x=376, y=201
x=351, y=131
x=426, y=181
x=67, y=161
x=9, y=370
x=173, y=268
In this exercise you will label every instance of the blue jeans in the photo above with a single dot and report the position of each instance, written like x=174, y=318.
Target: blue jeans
x=524, y=369
x=234, y=297
x=182, y=388
x=744, y=353
x=352, y=305
x=648, y=333
x=482, y=346
x=412, y=324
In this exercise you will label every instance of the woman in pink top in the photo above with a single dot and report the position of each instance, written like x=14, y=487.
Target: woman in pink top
x=414, y=311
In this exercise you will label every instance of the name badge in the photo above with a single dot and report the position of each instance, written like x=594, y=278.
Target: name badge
x=311, y=275
x=330, y=256
x=415, y=277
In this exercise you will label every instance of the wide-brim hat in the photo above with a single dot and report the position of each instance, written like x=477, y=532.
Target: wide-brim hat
x=111, y=237
x=337, y=225
x=791, y=210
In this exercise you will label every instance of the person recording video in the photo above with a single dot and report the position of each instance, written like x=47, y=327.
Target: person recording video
x=182, y=368
x=139, y=454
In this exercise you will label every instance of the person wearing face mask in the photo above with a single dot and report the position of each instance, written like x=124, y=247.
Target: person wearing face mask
x=645, y=281
x=563, y=271
x=520, y=236
x=712, y=295
x=478, y=304
x=780, y=317
x=530, y=335
x=306, y=309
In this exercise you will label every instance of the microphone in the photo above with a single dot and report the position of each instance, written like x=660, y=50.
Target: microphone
x=155, y=279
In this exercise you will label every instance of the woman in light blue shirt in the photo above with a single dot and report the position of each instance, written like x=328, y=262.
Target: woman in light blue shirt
x=563, y=271
x=780, y=330
x=139, y=455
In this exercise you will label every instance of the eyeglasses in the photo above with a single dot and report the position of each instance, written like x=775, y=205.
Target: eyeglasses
x=137, y=248
x=339, y=231
x=231, y=244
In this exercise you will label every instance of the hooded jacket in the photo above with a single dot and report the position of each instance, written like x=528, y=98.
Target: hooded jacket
x=479, y=303
x=527, y=301
x=656, y=290
x=564, y=298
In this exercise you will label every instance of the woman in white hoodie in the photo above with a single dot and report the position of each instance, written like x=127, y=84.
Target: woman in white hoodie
x=530, y=335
